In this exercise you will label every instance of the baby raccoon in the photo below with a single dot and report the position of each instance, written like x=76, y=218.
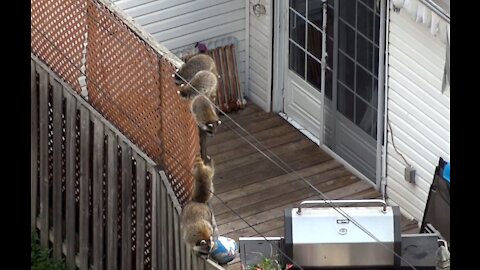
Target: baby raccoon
x=204, y=114
x=203, y=173
x=197, y=221
x=205, y=82
x=194, y=65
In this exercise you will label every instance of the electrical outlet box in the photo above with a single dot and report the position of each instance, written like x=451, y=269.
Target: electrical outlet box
x=410, y=174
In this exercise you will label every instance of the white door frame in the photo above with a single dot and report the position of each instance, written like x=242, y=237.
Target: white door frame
x=280, y=30
x=280, y=67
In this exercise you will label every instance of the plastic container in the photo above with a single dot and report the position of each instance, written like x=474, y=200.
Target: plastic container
x=446, y=172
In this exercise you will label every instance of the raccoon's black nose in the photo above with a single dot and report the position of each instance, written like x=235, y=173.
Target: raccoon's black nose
x=209, y=132
x=178, y=80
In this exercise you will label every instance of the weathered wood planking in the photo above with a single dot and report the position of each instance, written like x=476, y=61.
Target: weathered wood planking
x=183, y=252
x=176, y=239
x=33, y=144
x=264, y=136
x=163, y=221
x=155, y=255
x=170, y=234
x=112, y=202
x=70, y=216
x=126, y=206
x=188, y=257
x=285, y=189
x=84, y=185
x=57, y=168
x=44, y=188
x=194, y=260
x=140, y=224
x=98, y=158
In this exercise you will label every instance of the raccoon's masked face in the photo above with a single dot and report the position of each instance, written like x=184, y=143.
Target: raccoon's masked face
x=211, y=128
x=176, y=77
x=183, y=93
x=204, y=247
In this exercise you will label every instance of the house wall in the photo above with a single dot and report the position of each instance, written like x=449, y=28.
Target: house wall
x=260, y=54
x=182, y=23
x=418, y=111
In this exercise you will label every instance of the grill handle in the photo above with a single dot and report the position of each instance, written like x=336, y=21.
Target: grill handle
x=336, y=202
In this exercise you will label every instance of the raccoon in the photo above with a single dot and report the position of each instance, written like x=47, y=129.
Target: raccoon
x=198, y=225
x=204, y=114
x=203, y=173
x=194, y=65
x=205, y=82
x=197, y=229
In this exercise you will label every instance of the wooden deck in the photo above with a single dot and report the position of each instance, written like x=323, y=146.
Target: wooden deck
x=258, y=190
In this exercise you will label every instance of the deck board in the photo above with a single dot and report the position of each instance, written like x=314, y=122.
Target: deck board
x=258, y=190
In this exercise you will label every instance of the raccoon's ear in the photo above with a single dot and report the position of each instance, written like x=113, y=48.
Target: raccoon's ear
x=210, y=162
x=210, y=125
x=181, y=85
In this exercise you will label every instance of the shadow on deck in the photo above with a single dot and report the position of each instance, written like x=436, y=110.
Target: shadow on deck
x=259, y=190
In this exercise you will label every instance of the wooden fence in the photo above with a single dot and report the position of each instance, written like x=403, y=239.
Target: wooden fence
x=97, y=200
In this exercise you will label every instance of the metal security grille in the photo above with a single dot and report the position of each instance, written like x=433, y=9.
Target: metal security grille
x=127, y=80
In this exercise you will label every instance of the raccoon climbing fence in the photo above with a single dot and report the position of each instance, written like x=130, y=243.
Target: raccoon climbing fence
x=127, y=80
x=229, y=93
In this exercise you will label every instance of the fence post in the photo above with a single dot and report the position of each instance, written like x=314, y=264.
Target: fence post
x=98, y=159
x=43, y=113
x=84, y=185
x=57, y=168
x=70, y=216
x=34, y=144
x=126, y=207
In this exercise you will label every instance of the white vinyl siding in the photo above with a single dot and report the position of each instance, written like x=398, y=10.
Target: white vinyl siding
x=260, y=51
x=182, y=23
x=418, y=111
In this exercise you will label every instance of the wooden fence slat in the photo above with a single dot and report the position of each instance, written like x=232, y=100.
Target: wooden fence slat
x=168, y=249
x=155, y=255
x=140, y=230
x=98, y=141
x=200, y=263
x=194, y=260
x=84, y=185
x=112, y=214
x=70, y=216
x=43, y=111
x=183, y=258
x=176, y=239
x=163, y=225
x=33, y=143
x=212, y=265
x=57, y=168
x=170, y=232
x=188, y=262
x=126, y=206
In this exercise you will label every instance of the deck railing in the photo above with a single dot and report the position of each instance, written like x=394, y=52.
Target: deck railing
x=97, y=199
